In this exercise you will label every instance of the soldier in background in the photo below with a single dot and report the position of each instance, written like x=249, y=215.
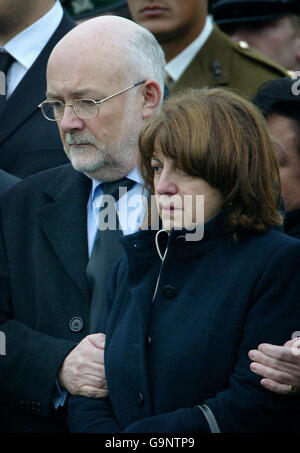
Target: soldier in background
x=270, y=26
x=197, y=53
x=81, y=10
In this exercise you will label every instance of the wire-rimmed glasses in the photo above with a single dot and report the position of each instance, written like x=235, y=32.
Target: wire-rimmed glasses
x=83, y=108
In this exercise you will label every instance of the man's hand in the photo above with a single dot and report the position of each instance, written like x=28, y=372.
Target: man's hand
x=279, y=366
x=82, y=372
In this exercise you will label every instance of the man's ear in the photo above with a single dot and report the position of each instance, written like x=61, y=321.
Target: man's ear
x=152, y=97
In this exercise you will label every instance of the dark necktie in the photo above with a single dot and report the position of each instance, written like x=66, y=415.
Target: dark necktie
x=105, y=252
x=5, y=61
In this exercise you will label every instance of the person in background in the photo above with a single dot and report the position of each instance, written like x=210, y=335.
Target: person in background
x=104, y=79
x=28, y=32
x=279, y=101
x=198, y=54
x=81, y=10
x=281, y=108
x=184, y=308
x=270, y=26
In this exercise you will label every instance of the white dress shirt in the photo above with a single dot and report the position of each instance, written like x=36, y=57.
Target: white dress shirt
x=130, y=208
x=26, y=46
x=176, y=67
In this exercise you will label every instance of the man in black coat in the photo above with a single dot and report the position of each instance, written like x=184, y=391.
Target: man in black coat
x=48, y=225
x=28, y=32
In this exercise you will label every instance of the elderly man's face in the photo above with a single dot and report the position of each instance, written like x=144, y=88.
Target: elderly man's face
x=103, y=147
x=286, y=138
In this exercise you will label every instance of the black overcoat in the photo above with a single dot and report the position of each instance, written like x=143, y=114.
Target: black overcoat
x=43, y=287
x=214, y=301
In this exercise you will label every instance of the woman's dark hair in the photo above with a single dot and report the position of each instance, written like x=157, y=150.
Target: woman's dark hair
x=217, y=135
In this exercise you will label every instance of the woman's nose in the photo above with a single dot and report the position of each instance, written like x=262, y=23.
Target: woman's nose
x=166, y=183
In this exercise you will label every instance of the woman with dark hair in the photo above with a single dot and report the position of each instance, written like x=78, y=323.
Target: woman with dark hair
x=183, y=311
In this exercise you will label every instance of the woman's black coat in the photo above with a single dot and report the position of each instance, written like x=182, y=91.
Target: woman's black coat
x=215, y=300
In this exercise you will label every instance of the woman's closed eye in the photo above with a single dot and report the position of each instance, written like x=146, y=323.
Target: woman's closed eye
x=156, y=166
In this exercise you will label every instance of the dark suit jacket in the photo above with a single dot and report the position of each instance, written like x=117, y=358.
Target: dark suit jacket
x=43, y=256
x=6, y=181
x=215, y=300
x=224, y=62
x=28, y=142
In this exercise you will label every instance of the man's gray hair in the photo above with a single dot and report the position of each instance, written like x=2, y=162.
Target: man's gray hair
x=145, y=57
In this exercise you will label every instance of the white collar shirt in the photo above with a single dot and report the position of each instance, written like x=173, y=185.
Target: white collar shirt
x=130, y=208
x=176, y=67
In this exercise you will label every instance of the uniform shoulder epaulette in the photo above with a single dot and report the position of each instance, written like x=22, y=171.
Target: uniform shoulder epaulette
x=243, y=48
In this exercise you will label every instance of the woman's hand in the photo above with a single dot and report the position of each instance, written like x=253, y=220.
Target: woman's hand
x=279, y=366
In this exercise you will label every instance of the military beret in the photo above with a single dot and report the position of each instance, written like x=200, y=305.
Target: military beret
x=81, y=9
x=239, y=11
x=279, y=95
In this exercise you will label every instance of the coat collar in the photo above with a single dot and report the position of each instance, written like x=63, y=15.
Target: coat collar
x=64, y=221
x=141, y=249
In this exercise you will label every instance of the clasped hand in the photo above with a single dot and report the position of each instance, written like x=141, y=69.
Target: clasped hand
x=83, y=372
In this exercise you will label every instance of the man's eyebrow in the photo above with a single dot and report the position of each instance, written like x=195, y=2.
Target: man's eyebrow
x=51, y=95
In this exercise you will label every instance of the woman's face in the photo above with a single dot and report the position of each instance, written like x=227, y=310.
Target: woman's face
x=180, y=198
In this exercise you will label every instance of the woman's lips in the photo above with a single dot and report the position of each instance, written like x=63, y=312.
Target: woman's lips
x=169, y=208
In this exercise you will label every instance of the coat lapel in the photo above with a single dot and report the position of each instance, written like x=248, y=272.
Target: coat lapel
x=31, y=90
x=64, y=222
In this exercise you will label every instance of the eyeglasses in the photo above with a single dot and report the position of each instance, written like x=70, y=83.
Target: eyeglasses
x=83, y=108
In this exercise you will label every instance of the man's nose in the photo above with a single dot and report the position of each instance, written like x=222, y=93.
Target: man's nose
x=70, y=120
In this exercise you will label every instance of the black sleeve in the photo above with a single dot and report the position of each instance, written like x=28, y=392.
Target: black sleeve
x=246, y=406
x=29, y=367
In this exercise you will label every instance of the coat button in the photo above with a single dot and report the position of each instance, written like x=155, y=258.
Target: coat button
x=148, y=340
x=76, y=324
x=140, y=399
x=168, y=292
